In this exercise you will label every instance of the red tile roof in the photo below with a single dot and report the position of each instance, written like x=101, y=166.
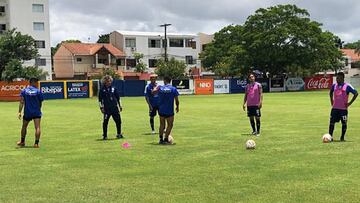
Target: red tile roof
x=351, y=53
x=86, y=49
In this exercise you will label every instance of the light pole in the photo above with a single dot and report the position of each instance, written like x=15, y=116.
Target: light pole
x=165, y=45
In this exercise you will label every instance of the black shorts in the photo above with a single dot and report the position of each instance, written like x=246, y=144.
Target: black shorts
x=165, y=116
x=338, y=115
x=253, y=111
x=153, y=112
x=29, y=118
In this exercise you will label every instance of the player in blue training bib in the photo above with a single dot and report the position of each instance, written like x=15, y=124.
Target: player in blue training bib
x=31, y=100
x=167, y=95
x=152, y=100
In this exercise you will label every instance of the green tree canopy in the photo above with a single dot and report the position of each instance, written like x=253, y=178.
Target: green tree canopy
x=277, y=39
x=173, y=68
x=15, y=48
x=104, y=38
x=352, y=45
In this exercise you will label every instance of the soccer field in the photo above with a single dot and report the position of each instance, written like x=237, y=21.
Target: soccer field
x=208, y=163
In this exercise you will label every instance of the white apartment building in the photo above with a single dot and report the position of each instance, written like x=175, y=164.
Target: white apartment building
x=29, y=17
x=184, y=47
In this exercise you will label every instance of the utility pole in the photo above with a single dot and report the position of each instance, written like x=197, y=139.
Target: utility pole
x=165, y=45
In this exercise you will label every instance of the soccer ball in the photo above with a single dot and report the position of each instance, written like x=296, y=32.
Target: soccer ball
x=171, y=139
x=326, y=138
x=250, y=144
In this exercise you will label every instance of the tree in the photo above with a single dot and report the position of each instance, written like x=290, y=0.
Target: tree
x=226, y=52
x=283, y=36
x=15, y=48
x=173, y=68
x=352, y=45
x=104, y=38
x=140, y=66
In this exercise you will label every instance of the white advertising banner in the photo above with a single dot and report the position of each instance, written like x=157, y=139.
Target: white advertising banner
x=221, y=86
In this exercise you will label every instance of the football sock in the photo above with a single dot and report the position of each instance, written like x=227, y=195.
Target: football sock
x=343, y=131
x=331, y=129
x=152, y=123
x=23, y=139
x=36, y=141
x=258, y=125
x=252, y=122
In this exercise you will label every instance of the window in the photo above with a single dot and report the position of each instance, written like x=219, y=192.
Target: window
x=40, y=62
x=190, y=43
x=189, y=60
x=154, y=43
x=130, y=42
x=176, y=42
x=79, y=60
x=39, y=26
x=152, y=63
x=38, y=8
x=2, y=28
x=39, y=44
x=2, y=9
x=131, y=62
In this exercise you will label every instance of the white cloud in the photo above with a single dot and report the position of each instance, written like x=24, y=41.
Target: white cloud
x=84, y=19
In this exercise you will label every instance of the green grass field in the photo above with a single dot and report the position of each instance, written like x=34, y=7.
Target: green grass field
x=209, y=162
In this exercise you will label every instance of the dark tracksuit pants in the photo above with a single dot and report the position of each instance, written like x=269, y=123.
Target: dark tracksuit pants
x=116, y=117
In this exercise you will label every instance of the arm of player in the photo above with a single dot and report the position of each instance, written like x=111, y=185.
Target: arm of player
x=101, y=102
x=261, y=96
x=353, y=98
x=245, y=98
x=148, y=102
x=331, y=95
x=177, y=103
x=21, y=106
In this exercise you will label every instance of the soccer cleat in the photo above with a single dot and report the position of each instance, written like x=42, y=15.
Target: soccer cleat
x=104, y=137
x=161, y=141
x=20, y=144
x=153, y=132
x=257, y=134
x=254, y=133
x=119, y=136
x=36, y=146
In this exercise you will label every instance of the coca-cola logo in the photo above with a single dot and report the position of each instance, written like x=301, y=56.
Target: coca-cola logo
x=318, y=83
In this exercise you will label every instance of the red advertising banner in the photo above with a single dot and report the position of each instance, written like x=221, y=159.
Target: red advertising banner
x=318, y=82
x=11, y=91
x=204, y=86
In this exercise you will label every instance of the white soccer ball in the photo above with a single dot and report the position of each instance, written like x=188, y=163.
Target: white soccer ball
x=171, y=139
x=326, y=138
x=250, y=144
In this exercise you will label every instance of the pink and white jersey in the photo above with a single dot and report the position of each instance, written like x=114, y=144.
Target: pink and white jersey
x=340, y=96
x=253, y=94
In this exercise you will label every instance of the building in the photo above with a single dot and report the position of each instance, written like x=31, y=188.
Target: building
x=184, y=47
x=29, y=17
x=85, y=60
x=350, y=58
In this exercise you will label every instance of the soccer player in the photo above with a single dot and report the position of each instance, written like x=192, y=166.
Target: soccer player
x=152, y=100
x=32, y=98
x=253, y=99
x=167, y=94
x=110, y=106
x=339, y=95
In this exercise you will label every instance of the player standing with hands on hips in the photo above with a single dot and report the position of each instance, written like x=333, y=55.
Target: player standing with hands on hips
x=339, y=95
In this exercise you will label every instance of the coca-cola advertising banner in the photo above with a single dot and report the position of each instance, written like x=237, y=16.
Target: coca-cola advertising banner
x=318, y=82
x=11, y=91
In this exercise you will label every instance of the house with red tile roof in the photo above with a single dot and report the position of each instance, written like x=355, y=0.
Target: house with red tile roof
x=350, y=58
x=84, y=60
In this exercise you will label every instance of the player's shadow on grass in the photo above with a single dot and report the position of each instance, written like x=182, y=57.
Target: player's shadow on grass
x=26, y=147
x=342, y=141
x=246, y=134
x=108, y=139
x=156, y=143
x=150, y=133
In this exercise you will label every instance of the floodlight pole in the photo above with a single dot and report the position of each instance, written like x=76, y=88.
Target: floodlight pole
x=165, y=45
